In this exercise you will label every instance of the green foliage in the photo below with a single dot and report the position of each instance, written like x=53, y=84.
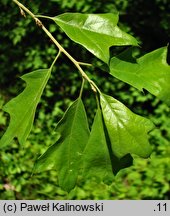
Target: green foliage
x=127, y=131
x=103, y=164
x=100, y=164
x=118, y=120
x=147, y=179
x=65, y=155
x=22, y=108
x=88, y=29
x=150, y=72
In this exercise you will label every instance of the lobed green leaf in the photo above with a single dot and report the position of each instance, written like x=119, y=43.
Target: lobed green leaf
x=96, y=32
x=65, y=155
x=127, y=131
x=22, y=108
x=98, y=158
x=150, y=72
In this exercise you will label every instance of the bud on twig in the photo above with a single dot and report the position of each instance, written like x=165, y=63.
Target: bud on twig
x=22, y=12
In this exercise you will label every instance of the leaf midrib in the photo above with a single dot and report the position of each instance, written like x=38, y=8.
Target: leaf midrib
x=31, y=104
x=131, y=134
x=71, y=132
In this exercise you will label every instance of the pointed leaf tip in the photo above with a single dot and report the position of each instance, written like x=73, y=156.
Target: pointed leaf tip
x=65, y=155
x=150, y=72
x=128, y=132
x=98, y=158
x=22, y=108
x=96, y=32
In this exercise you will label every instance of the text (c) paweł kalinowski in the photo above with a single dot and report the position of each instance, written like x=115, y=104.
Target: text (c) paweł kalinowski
x=96, y=207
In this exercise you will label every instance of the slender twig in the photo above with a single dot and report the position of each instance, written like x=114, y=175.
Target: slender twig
x=42, y=16
x=55, y=59
x=61, y=49
x=82, y=87
x=97, y=100
x=85, y=64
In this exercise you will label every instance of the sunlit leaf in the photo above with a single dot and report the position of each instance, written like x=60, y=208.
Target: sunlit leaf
x=127, y=131
x=65, y=155
x=22, y=108
x=98, y=158
x=150, y=72
x=96, y=32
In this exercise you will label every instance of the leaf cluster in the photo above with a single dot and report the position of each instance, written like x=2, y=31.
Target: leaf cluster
x=117, y=133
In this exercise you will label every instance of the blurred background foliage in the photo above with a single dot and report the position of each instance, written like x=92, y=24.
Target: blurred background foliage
x=24, y=48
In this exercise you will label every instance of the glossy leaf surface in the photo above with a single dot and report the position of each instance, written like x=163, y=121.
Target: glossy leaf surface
x=150, y=72
x=22, y=108
x=65, y=155
x=127, y=131
x=98, y=158
x=96, y=32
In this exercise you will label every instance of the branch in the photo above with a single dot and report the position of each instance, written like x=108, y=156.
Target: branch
x=61, y=49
